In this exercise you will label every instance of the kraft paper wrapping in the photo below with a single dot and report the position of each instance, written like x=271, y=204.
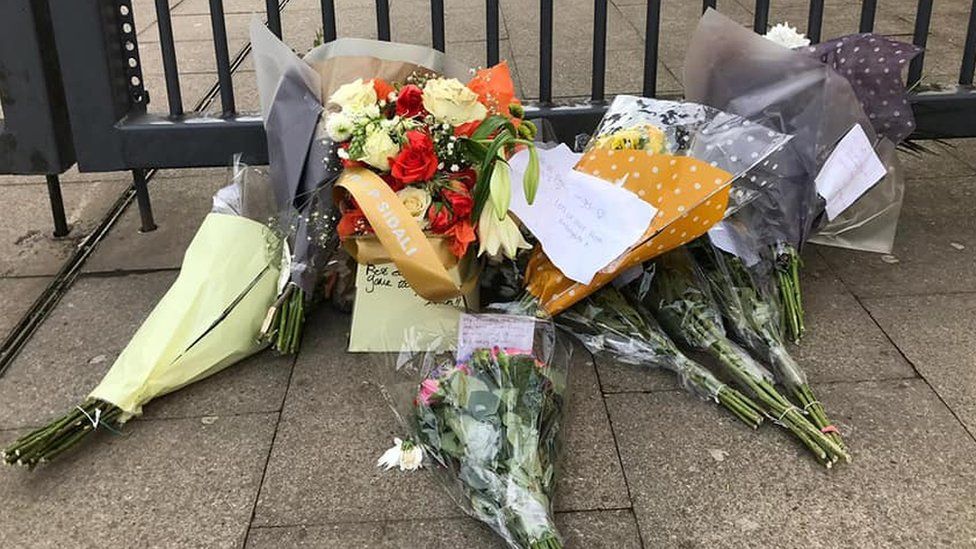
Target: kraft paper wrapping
x=399, y=235
x=208, y=319
x=690, y=195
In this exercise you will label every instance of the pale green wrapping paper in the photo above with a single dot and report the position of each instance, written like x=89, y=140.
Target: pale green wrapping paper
x=208, y=320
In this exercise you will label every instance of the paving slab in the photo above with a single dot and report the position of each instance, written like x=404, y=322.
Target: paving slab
x=701, y=479
x=843, y=343
x=179, y=205
x=16, y=297
x=27, y=244
x=945, y=160
x=588, y=529
x=935, y=247
x=70, y=353
x=572, y=68
x=938, y=335
x=172, y=483
x=335, y=424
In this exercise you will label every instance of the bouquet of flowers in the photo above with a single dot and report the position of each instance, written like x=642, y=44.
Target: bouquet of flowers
x=209, y=319
x=682, y=302
x=754, y=322
x=607, y=324
x=490, y=417
x=679, y=157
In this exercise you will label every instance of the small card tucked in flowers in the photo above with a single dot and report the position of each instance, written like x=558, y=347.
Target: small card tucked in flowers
x=849, y=172
x=491, y=330
x=583, y=222
x=388, y=316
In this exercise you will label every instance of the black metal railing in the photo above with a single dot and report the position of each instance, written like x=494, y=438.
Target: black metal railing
x=112, y=128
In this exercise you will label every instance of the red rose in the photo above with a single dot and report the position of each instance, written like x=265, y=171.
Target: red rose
x=410, y=102
x=392, y=182
x=416, y=162
x=462, y=235
x=458, y=198
x=353, y=222
x=440, y=218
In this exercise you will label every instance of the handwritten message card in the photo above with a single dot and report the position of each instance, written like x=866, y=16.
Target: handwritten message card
x=489, y=331
x=850, y=170
x=583, y=222
x=388, y=316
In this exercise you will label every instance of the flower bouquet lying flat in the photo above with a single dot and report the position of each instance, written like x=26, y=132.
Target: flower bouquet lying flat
x=490, y=417
x=607, y=324
x=682, y=302
x=209, y=319
x=754, y=322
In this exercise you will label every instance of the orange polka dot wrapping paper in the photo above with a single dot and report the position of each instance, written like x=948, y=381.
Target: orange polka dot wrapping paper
x=685, y=170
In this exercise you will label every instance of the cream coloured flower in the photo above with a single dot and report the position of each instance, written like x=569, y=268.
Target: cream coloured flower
x=378, y=148
x=417, y=201
x=355, y=97
x=496, y=235
x=338, y=126
x=404, y=454
x=451, y=101
x=787, y=36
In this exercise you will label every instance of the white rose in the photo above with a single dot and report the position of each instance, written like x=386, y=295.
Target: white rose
x=787, y=36
x=338, y=126
x=355, y=97
x=452, y=102
x=378, y=149
x=417, y=201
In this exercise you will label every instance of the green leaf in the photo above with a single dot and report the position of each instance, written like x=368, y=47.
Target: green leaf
x=530, y=181
x=490, y=125
x=482, y=188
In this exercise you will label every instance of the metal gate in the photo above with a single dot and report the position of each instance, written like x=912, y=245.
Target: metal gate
x=113, y=128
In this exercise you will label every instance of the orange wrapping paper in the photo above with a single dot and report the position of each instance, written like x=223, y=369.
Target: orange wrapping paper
x=690, y=195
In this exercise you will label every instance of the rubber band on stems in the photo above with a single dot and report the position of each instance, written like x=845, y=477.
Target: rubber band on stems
x=97, y=420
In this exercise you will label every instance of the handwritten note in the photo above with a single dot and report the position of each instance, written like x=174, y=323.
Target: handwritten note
x=388, y=316
x=583, y=222
x=491, y=330
x=850, y=170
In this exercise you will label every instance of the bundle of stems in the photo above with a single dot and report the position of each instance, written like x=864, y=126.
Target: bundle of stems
x=750, y=313
x=605, y=322
x=787, y=268
x=285, y=320
x=685, y=308
x=48, y=442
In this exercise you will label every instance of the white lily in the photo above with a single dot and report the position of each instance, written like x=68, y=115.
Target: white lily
x=499, y=235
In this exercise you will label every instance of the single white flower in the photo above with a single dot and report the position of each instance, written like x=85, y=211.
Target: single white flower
x=338, y=126
x=391, y=457
x=404, y=454
x=417, y=201
x=411, y=456
x=343, y=154
x=787, y=36
x=451, y=102
x=355, y=97
x=378, y=148
x=499, y=235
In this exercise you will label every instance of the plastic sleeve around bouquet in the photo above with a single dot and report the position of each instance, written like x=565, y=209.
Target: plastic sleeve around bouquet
x=681, y=301
x=489, y=414
x=679, y=157
x=750, y=308
x=608, y=325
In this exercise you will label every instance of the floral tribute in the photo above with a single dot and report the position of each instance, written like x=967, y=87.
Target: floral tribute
x=437, y=143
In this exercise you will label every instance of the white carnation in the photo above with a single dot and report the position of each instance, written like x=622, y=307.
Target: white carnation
x=787, y=36
x=338, y=126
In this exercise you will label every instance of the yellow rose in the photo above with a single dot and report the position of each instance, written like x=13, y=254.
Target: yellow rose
x=378, y=148
x=640, y=138
x=355, y=97
x=416, y=200
x=451, y=101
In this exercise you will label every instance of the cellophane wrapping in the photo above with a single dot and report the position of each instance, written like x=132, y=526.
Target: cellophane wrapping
x=489, y=417
x=731, y=68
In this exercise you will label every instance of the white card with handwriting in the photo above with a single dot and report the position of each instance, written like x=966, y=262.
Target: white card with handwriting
x=583, y=222
x=487, y=331
x=388, y=316
x=849, y=172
